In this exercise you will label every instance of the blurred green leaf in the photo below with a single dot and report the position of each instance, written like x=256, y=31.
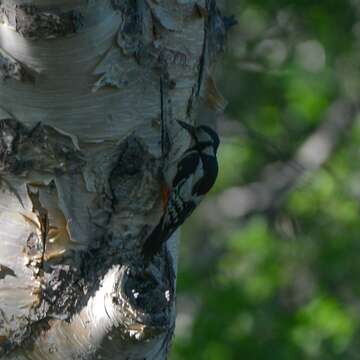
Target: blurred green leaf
x=323, y=319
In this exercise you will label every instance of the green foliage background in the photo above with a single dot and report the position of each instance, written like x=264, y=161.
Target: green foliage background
x=284, y=284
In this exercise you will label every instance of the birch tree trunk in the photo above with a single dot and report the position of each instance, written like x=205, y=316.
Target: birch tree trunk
x=86, y=88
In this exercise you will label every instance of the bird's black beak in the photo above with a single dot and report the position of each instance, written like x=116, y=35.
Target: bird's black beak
x=189, y=128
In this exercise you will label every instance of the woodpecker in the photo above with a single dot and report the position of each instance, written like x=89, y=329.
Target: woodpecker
x=195, y=175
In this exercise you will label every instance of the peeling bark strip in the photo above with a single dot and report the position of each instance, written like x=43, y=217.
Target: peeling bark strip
x=168, y=19
x=131, y=31
x=37, y=23
x=6, y=271
x=42, y=148
x=214, y=40
x=112, y=73
x=10, y=68
x=217, y=31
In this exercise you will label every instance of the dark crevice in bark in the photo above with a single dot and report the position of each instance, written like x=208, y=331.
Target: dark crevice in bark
x=165, y=117
x=43, y=223
x=202, y=65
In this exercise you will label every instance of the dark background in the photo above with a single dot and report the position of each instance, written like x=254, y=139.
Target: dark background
x=270, y=262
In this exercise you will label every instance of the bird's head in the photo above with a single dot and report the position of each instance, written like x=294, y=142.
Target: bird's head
x=204, y=136
x=207, y=135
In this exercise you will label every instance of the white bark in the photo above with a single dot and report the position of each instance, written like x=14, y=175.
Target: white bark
x=85, y=87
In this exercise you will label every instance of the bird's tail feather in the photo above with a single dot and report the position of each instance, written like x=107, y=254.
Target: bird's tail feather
x=154, y=241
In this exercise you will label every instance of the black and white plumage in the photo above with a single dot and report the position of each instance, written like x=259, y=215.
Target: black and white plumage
x=195, y=175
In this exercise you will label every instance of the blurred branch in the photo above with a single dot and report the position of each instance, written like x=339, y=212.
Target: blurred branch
x=280, y=178
x=242, y=130
x=257, y=67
